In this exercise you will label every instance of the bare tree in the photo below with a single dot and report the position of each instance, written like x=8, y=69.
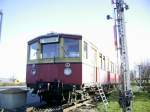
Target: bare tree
x=144, y=73
x=132, y=75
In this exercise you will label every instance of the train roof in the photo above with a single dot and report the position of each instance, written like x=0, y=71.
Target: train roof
x=75, y=36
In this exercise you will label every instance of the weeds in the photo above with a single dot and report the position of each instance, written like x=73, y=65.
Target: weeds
x=141, y=102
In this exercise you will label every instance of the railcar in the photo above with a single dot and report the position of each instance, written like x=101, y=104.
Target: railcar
x=58, y=64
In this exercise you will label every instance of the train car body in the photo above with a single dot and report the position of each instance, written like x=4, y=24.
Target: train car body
x=69, y=59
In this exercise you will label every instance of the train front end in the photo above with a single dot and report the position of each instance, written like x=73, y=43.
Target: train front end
x=54, y=59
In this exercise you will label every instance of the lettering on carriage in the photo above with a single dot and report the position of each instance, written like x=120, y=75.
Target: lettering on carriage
x=49, y=40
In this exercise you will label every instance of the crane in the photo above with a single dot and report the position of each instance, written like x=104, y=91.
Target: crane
x=125, y=93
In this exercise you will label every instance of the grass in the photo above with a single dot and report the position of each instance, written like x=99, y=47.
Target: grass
x=11, y=84
x=141, y=102
x=113, y=104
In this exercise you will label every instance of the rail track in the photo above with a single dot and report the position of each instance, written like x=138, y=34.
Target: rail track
x=64, y=108
x=72, y=107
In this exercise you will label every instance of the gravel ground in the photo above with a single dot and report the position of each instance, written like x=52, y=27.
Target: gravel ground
x=85, y=108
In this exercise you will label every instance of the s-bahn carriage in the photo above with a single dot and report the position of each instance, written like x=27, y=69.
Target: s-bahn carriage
x=59, y=63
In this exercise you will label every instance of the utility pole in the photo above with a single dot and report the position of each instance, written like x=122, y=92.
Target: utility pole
x=125, y=94
x=1, y=18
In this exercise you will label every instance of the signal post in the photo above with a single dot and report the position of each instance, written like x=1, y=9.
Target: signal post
x=125, y=93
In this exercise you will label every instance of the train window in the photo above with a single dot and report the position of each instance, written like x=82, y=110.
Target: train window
x=103, y=62
x=33, y=51
x=101, y=66
x=108, y=64
x=85, y=50
x=111, y=67
x=115, y=69
x=92, y=56
x=50, y=50
x=71, y=48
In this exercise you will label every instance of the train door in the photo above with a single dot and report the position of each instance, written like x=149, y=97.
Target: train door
x=94, y=64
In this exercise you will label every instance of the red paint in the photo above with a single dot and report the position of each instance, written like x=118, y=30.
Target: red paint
x=113, y=78
x=108, y=77
x=96, y=73
x=50, y=72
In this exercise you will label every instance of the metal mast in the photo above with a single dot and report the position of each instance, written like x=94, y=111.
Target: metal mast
x=125, y=94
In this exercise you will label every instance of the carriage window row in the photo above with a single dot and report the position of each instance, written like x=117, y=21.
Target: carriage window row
x=71, y=50
x=52, y=50
x=105, y=62
x=102, y=57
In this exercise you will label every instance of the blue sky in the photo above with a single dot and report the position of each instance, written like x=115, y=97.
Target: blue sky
x=26, y=19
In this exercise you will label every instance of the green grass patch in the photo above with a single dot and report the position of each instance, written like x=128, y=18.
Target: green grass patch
x=113, y=104
x=12, y=84
x=141, y=102
x=7, y=84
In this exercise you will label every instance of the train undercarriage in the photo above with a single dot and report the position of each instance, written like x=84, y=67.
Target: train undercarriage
x=56, y=93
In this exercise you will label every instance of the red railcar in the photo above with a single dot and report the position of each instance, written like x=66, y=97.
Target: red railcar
x=69, y=60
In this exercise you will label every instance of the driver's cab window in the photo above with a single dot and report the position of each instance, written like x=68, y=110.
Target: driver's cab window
x=50, y=50
x=71, y=48
x=33, y=51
